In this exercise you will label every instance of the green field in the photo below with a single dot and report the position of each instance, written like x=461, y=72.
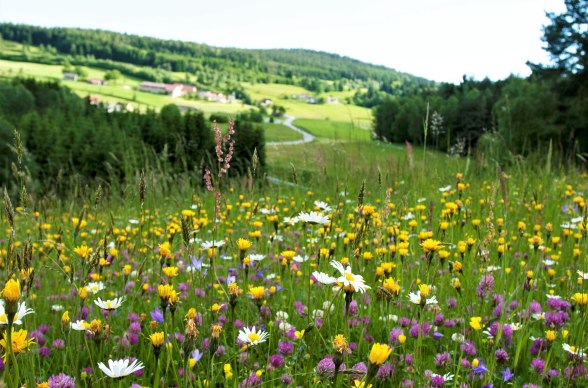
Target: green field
x=279, y=132
x=334, y=130
x=123, y=90
x=282, y=95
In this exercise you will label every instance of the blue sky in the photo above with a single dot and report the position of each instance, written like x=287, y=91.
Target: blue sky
x=437, y=39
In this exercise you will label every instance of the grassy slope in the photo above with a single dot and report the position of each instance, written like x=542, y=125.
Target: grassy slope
x=281, y=95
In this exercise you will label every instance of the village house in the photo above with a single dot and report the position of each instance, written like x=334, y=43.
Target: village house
x=120, y=107
x=173, y=90
x=94, y=100
x=70, y=76
x=331, y=100
x=216, y=97
x=96, y=81
x=306, y=98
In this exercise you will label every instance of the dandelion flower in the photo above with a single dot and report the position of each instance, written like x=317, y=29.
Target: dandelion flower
x=379, y=353
x=252, y=337
x=109, y=304
x=120, y=368
x=243, y=244
x=19, y=340
x=11, y=291
x=430, y=245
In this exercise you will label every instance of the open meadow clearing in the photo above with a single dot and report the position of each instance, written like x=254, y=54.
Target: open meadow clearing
x=460, y=278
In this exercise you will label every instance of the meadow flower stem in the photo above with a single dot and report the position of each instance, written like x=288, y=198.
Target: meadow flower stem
x=88, y=349
x=156, y=375
x=11, y=353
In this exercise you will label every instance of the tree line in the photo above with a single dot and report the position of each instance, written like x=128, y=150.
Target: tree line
x=547, y=111
x=319, y=71
x=64, y=134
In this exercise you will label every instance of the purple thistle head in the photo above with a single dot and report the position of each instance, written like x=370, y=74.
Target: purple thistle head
x=442, y=359
x=501, y=356
x=276, y=360
x=538, y=365
x=385, y=371
x=485, y=286
x=326, y=366
x=62, y=381
x=534, y=307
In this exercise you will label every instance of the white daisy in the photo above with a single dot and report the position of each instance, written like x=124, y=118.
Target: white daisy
x=256, y=257
x=282, y=316
x=549, y=296
x=94, y=287
x=57, y=307
x=133, y=221
x=349, y=279
x=120, y=368
x=20, y=313
x=78, y=325
x=583, y=275
x=290, y=220
x=458, y=337
x=109, y=304
x=574, y=351
x=408, y=216
x=252, y=337
x=313, y=218
x=323, y=206
x=300, y=259
x=323, y=278
x=444, y=189
x=416, y=298
x=206, y=245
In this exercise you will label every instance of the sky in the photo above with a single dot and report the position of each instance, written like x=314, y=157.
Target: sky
x=441, y=40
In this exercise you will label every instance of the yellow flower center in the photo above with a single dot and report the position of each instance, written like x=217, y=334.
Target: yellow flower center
x=253, y=337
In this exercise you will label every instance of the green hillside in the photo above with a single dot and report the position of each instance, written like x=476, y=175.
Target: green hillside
x=316, y=71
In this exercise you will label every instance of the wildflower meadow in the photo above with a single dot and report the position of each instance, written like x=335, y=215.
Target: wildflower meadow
x=454, y=279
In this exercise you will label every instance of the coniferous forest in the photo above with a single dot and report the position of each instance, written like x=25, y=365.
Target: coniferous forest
x=65, y=135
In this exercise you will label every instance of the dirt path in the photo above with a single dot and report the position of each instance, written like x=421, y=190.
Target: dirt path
x=306, y=137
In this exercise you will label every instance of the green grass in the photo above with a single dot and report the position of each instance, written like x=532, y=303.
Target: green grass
x=335, y=130
x=325, y=164
x=281, y=95
x=279, y=132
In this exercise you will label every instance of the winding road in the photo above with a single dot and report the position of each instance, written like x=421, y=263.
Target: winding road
x=306, y=137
